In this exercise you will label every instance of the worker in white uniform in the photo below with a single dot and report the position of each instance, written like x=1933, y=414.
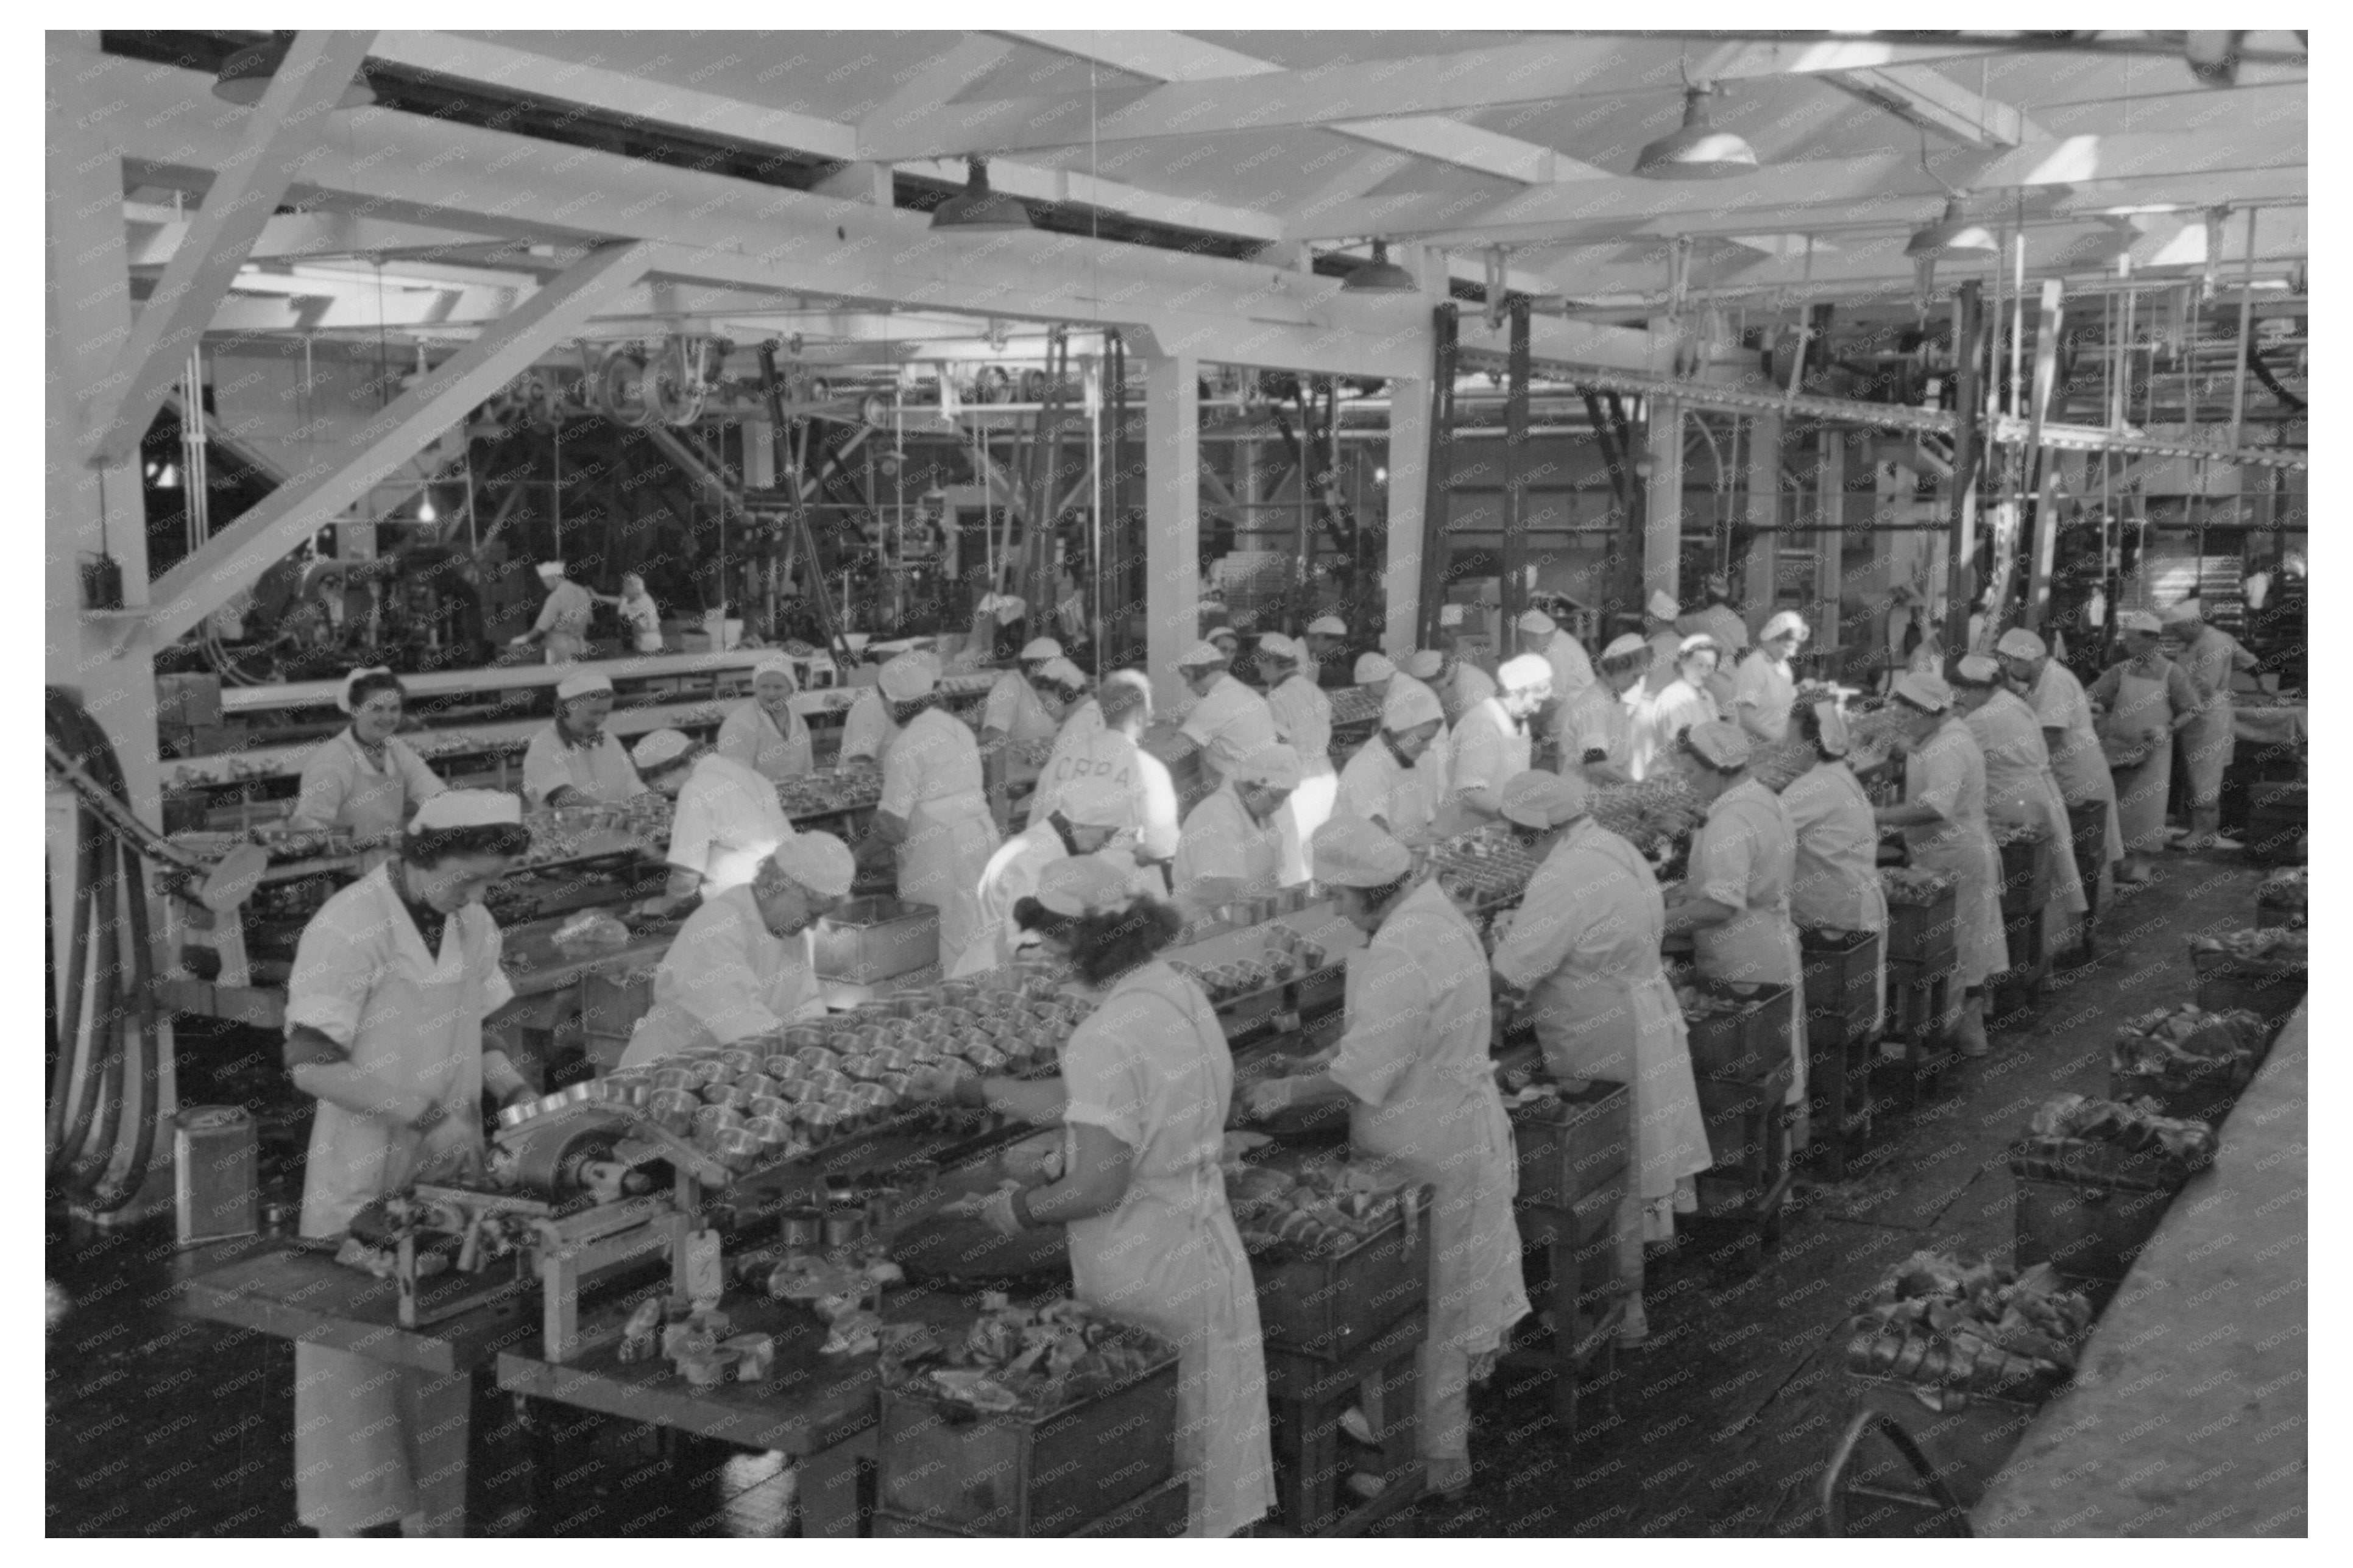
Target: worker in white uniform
x=366, y=780
x=563, y=625
x=1597, y=729
x=1461, y=684
x=727, y=822
x=2020, y=786
x=574, y=761
x=1718, y=619
x=1491, y=745
x=1379, y=784
x=1766, y=686
x=762, y=731
x=638, y=611
x=1303, y=721
x=1572, y=672
x=1653, y=742
x=1836, y=889
x=1099, y=741
x=1734, y=900
x=1582, y=953
x=744, y=963
x=1142, y=1096
x=1413, y=1066
x=1232, y=848
x=1435, y=770
x=2051, y=690
x=392, y=979
x=2211, y=658
x=1014, y=717
x=933, y=814
x=1328, y=663
x=1228, y=721
x=2141, y=704
x=1943, y=823
x=1093, y=812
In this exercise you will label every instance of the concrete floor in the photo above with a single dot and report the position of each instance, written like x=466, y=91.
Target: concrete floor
x=159, y=1425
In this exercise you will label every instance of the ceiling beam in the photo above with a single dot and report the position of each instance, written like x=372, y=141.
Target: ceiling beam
x=156, y=232
x=240, y=552
x=1926, y=96
x=936, y=81
x=274, y=138
x=1075, y=188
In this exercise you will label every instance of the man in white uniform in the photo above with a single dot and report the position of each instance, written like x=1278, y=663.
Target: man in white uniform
x=743, y=963
x=1229, y=721
x=563, y=624
x=1232, y=845
x=1099, y=741
x=574, y=761
x=727, y=821
x=1092, y=812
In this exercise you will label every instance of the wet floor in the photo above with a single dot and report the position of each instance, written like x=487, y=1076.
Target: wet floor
x=162, y=1424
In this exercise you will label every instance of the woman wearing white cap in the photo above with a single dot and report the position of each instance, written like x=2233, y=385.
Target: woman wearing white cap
x=1767, y=687
x=1943, y=823
x=366, y=780
x=574, y=761
x=1491, y=745
x=2141, y=704
x=1099, y=741
x=1436, y=768
x=1422, y=1105
x=1015, y=721
x=563, y=624
x=638, y=612
x=1229, y=721
x=1597, y=727
x=392, y=979
x=1716, y=619
x=727, y=819
x=1303, y=721
x=1380, y=782
x=868, y=729
x=1734, y=900
x=1683, y=703
x=1461, y=684
x=2019, y=788
x=1583, y=947
x=1836, y=887
x=933, y=811
x=762, y=731
x=1231, y=848
x=1090, y=814
x=1144, y=1084
x=743, y=963
x=2059, y=707
x=1328, y=663
x=2210, y=656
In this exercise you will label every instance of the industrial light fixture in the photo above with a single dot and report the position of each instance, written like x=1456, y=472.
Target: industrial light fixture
x=2213, y=56
x=977, y=209
x=1379, y=276
x=247, y=75
x=1696, y=149
x=1954, y=236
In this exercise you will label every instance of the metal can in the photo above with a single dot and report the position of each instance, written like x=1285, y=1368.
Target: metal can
x=774, y=1132
x=713, y=1119
x=677, y=1077
x=738, y=1148
x=739, y=1062
x=708, y=1072
x=781, y=1066
x=816, y=1058
x=754, y=1085
x=728, y=1094
x=771, y=1105
x=674, y=1109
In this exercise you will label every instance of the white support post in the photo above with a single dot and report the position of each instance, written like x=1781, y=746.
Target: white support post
x=242, y=552
x=1762, y=580
x=1663, y=514
x=1831, y=543
x=1407, y=491
x=1171, y=530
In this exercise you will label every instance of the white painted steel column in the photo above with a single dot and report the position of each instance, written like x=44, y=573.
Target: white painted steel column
x=1172, y=525
x=1407, y=493
x=1663, y=514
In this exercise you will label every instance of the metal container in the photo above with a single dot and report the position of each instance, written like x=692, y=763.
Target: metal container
x=737, y=1149
x=774, y=1132
x=770, y=1105
x=631, y=1088
x=516, y=1115
x=802, y=1036
x=816, y=1058
x=844, y=1226
x=709, y=1121
x=734, y=1096
x=756, y=1085
x=873, y=1100
x=674, y=1109
x=215, y=1189
x=676, y=1077
x=782, y=1068
x=710, y=1072
x=804, y=1229
x=740, y=1062
x=985, y=1059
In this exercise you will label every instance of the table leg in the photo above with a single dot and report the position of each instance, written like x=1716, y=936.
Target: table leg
x=830, y=1485
x=445, y=1409
x=1565, y=1288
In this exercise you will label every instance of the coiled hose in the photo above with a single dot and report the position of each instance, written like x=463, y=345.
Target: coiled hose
x=106, y=1048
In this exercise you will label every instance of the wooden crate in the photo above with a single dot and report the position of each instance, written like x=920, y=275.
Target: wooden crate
x=1326, y=1308
x=2026, y=875
x=1745, y=1044
x=1916, y=1047
x=2204, y=1091
x=1159, y=1514
x=2089, y=1230
x=2276, y=815
x=2270, y=991
x=1927, y=935
x=980, y=1473
x=1586, y=1140
x=1306, y=1396
x=1747, y=1138
x=1585, y=1292
x=1842, y=979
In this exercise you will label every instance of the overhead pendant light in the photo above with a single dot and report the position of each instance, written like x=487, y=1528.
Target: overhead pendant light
x=2213, y=56
x=1379, y=276
x=977, y=209
x=1696, y=149
x=1955, y=237
x=246, y=76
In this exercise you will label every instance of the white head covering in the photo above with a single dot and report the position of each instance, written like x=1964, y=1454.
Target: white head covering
x=1274, y=645
x=2186, y=611
x=1082, y=885
x=1037, y=648
x=1698, y=640
x=1663, y=606
x=1007, y=607
x=818, y=861
x=1721, y=743
x=2138, y=621
x=1537, y=798
x=1535, y=622
x=1201, y=655
x=343, y=698
x=1717, y=583
x=659, y=748
x=1062, y=672
x=908, y=677
x=777, y=664
x=1923, y=690
x=1372, y=667
x=467, y=808
x=1274, y=767
x=551, y=568
x=582, y=683
x=1097, y=800
x=1408, y=703
x=2020, y=642
x=1623, y=644
x=1978, y=669
x=1523, y=672
x=1785, y=621
x=1327, y=626
x=1423, y=664
x=1350, y=852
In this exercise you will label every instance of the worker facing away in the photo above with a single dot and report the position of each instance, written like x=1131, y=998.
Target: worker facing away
x=562, y=629
x=1228, y=721
x=933, y=814
x=1303, y=721
x=1090, y=815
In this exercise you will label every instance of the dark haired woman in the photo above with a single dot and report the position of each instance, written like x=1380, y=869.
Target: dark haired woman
x=1145, y=1081
x=366, y=780
x=1836, y=884
x=383, y=1026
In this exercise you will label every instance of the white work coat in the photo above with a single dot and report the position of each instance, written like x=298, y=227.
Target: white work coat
x=1150, y=1067
x=868, y=729
x=2076, y=759
x=1837, y=885
x=1762, y=693
x=1423, y=1107
x=1220, y=841
x=362, y=977
x=1489, y=747
x=2019, y=788
x=1947, y=772
x=930, y=780
x=1374, y=784
x=725, y=978
x=1228, y=723
x=1596, y=719
x=1584, y=945
x=1077, y=734
x=1303, y=721
x=2210, y=742
x=750, y=736
x=1743, y=857
x=727, y=821
x=341, y=788
x=563, y=618
x=1091, y=750
x=1464, y=689
x=602, y=771
x=643, y=618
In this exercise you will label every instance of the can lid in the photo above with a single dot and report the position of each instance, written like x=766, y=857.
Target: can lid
x=211, y=1117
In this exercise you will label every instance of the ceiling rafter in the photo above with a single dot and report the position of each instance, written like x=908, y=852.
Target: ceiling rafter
x=1926, y=96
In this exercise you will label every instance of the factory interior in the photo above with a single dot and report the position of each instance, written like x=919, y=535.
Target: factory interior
x=1296, y=783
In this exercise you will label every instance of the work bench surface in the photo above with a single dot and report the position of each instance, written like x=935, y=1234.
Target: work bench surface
x=296, y=1290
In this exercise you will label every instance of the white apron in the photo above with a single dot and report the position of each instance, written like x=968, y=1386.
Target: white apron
x=948, y=846
x=1962, y=849
x=1758, y=945
x=2142, y=703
